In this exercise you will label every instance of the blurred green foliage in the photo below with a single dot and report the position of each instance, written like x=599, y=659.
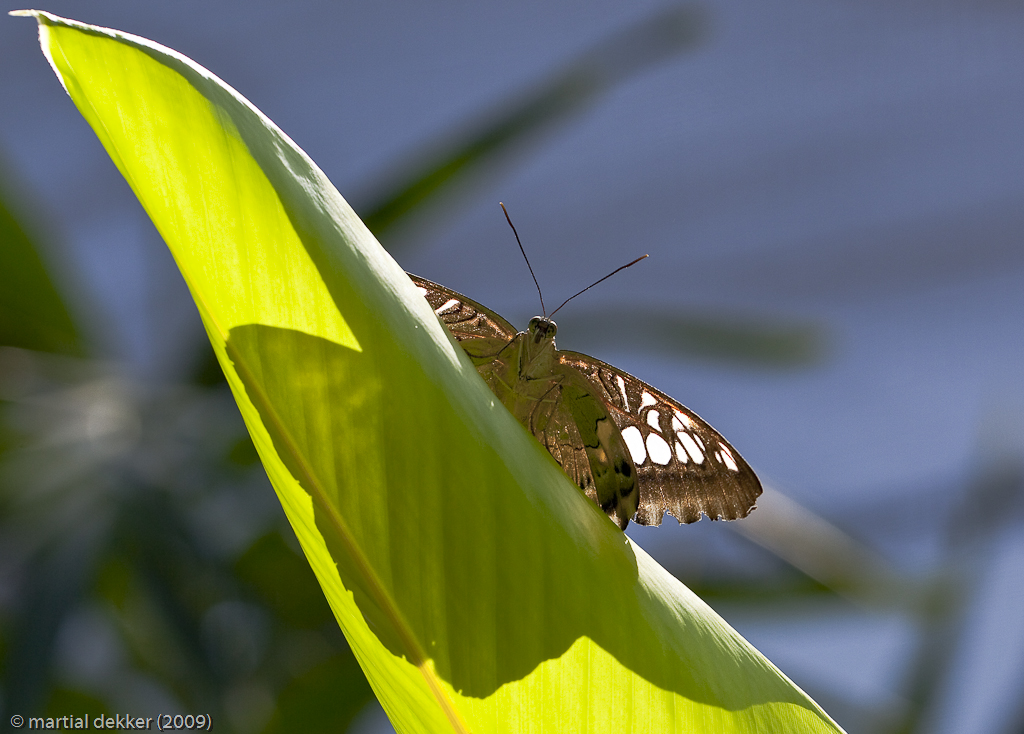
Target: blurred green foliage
x=33, y=315
x=150, y=559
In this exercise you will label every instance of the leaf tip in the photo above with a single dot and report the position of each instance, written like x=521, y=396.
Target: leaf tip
x=43, y=17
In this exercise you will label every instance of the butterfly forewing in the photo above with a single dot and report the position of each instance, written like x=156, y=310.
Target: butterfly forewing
x=686, y=468
x=465, y=318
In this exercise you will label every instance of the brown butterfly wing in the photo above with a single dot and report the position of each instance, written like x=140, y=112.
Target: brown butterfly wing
x=465, y=318
x=561, y=438
x=585, y=440
x=685, y=467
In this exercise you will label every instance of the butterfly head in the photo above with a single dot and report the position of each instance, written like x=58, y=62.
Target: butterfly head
x=542, y=327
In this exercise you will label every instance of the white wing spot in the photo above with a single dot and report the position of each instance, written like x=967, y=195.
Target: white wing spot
x=423, y=291
x=727, y=459
x=659, y=449
x=681, y=454
x=691, y=447
x=681, y=422
x=635, y=444
x=622, y=391
x=700, y=441
x=654, y=420
x=450, y=303
x=647, y=399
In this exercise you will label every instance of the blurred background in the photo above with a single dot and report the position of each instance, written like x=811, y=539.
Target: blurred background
x=832, y=196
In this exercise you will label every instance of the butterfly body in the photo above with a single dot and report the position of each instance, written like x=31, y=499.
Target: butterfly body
x=633, y=450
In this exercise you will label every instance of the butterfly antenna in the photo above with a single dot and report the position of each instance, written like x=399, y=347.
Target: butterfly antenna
x=627, y=265
x=509, y=219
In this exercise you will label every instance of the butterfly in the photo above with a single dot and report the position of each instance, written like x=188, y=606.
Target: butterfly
x=629, y=447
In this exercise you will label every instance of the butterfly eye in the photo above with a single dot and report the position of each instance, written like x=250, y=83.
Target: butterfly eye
x=541, y=327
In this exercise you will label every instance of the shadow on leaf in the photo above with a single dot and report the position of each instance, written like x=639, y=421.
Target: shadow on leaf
x=448, y=558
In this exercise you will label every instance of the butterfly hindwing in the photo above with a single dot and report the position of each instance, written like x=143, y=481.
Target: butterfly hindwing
x=610, y=478
x=685, y=467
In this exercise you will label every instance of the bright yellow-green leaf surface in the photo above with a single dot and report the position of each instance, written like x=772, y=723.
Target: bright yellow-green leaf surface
x=479, y=589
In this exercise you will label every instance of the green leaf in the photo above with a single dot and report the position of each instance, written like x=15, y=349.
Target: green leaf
x=32, y=313
x=479, y=589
